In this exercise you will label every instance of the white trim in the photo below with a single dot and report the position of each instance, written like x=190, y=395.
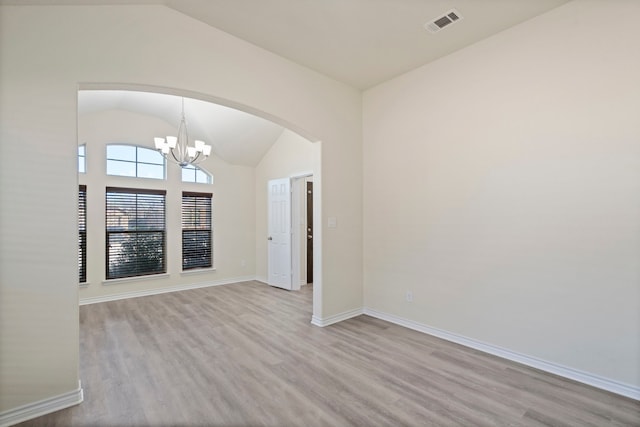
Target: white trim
x=42, y=407
x=196, y=271
x=296, y=232
x=108, y=282
x=301, y=175
x=318, y=231
x=147, y=292
x=597, y=381
x=322, y=322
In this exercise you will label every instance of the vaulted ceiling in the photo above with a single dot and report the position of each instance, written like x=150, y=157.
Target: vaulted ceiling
x=359, y=42
x=237, y=137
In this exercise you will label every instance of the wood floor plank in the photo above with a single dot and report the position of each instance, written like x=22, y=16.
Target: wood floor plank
x=247, y=355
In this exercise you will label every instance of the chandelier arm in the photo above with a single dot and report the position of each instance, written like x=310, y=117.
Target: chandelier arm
x=180, y=152
x=178, y=161
x=196, y=158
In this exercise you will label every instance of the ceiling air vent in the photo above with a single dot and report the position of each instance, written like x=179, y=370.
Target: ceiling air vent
x=440, y=22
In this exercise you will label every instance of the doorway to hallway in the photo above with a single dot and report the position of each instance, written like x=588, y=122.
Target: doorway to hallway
x=290, y=237
x=309, y=227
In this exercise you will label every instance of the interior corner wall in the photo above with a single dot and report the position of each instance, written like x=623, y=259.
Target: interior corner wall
x=289, y=156
x=509, y=202
x=46, y=52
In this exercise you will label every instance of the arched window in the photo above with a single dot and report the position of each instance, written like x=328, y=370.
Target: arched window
x=195, y=174
x=134, y=161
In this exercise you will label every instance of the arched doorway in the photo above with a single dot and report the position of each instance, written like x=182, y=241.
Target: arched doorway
x=155, y=102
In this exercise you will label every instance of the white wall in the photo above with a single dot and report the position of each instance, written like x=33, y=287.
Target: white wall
x=289, y=156
x=46, y=52
x=233, y=208
x=502, y=187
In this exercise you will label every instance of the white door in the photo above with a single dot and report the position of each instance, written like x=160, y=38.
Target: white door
x=279, y=229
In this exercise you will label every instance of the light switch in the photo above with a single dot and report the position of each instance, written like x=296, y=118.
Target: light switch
x=333, y=222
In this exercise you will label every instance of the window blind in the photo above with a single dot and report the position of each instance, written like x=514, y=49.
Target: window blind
x=82, y=233
x=197, y=248
x=135, y=232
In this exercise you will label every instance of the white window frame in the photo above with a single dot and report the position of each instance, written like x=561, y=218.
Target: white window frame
x=135, y=162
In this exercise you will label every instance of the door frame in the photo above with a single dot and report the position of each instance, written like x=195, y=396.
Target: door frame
x=298, y=227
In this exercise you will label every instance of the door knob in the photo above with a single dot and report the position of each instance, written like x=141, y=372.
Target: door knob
x=269, y=238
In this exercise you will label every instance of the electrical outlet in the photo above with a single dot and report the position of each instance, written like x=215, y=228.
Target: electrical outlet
x=409, y=296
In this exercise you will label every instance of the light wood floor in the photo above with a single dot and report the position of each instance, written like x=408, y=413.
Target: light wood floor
x=246, y=355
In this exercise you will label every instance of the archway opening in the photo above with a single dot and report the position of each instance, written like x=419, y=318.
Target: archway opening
x=242, y=137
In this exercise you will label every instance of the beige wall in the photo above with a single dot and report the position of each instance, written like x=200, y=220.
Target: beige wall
x=502, y=187
x=233, y=208
x=46, y=52
x=291, y=155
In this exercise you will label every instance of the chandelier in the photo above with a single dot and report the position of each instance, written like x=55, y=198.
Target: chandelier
x=176, y=149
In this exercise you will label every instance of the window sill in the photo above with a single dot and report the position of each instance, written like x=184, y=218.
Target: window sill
x=198, y=271
x=84, y=285
x=136, y=279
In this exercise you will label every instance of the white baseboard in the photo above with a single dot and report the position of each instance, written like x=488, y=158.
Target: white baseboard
x=322, y=322
x=147, y=292
x=42, y=407
x=597, y=381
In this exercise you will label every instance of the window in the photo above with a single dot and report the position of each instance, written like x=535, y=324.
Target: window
x=196, y=230
x=195, y=174
x=82, y=233
x=135, y=232
x=82, y=158
x=134, y=161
